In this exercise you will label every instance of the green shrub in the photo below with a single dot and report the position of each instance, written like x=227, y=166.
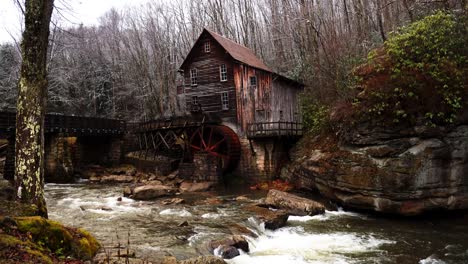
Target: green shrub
x=420, y=72
x=314, y=115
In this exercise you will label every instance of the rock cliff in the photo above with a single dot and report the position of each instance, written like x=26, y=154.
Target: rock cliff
x=391, y=169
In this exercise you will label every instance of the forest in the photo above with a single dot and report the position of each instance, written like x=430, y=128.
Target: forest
x=101, y=162
x=127, y=65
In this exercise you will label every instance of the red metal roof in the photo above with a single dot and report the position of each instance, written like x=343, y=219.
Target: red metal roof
x=239, y=52
x=236, y=51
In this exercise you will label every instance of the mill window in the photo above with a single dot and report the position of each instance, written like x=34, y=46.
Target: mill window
x=253, y=81
x=195, y=104
x=207, y=47
x=225, y=100
x=223, y=72
x=193, y=76
x=195, y=100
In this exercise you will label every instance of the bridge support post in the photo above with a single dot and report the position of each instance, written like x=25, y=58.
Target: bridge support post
x=59, y=158
x=9, y=168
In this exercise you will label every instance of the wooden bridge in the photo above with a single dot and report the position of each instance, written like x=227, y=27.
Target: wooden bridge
x=95, y=140
x=68, y=125
x=178, y=138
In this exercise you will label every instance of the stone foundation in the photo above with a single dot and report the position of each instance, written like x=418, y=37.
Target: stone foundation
x=262, y=160
x=207, y=168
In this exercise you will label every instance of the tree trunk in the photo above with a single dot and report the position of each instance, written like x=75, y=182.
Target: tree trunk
x=32, y=97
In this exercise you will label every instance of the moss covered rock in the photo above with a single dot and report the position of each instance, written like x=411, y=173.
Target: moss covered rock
x=39, y=235
x=14, y=250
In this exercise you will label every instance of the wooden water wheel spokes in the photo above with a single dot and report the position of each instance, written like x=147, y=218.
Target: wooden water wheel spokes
x=217, y=141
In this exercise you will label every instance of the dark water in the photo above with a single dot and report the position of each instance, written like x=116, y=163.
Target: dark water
x=335, y=237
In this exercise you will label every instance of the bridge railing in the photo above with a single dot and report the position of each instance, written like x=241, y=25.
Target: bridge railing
x=274, y=129
x=171, y=123
x=68, y=124
x=56, y=122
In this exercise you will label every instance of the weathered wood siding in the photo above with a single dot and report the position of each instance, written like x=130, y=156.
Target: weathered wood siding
x=284, y=101
x=253, y=102
x=210, y=88
x=271, y=100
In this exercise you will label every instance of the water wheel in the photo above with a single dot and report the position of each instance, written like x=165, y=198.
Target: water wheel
x=218, y=141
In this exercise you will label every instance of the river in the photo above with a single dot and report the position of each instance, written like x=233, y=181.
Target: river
x=152, y=230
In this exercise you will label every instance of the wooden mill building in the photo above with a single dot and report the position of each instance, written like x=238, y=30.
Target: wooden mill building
x=226, y=78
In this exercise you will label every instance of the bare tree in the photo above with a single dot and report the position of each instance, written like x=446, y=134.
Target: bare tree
x=29, y=153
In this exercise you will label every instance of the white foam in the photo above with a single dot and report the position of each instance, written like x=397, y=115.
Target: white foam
x=96, y=205
x=294, y=245
x=295, y=218
x=211, y=215
x=176, y=212
x=325, y=216
x=431, y=260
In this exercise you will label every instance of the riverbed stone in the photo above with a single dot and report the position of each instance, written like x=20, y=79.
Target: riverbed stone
x=127, y=191
x=173, y=201
x=238, y=229
x=242, y=198
x=235, y=241
x=273, y=219
x=227, y=252
x=294, y=204
x=196, y=186
x=123, y=169
x=116, y=179
x=203, y=260
x=148, y=192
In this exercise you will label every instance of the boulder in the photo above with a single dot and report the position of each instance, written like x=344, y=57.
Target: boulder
x=273, y=219
x=127, y=191
x=173, y=201
x=294, y=204
x=212, y=201
x=169, y=260
x=196, y=186
x=227, y=252
x=154, y=182
x=242, y=198
x=148, y=192
x=233, y=241
x=94, y=179
x=183, y=224
x=116, y=179
x=237, y=229
x=123, y=169
x=42, y=236
x=203, y=260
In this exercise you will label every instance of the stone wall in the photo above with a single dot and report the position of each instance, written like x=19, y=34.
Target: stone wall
x=65, y=156
x=207, y=167
x=262, y=160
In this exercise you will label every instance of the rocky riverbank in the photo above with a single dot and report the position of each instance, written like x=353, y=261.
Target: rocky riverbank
x=405, y=170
